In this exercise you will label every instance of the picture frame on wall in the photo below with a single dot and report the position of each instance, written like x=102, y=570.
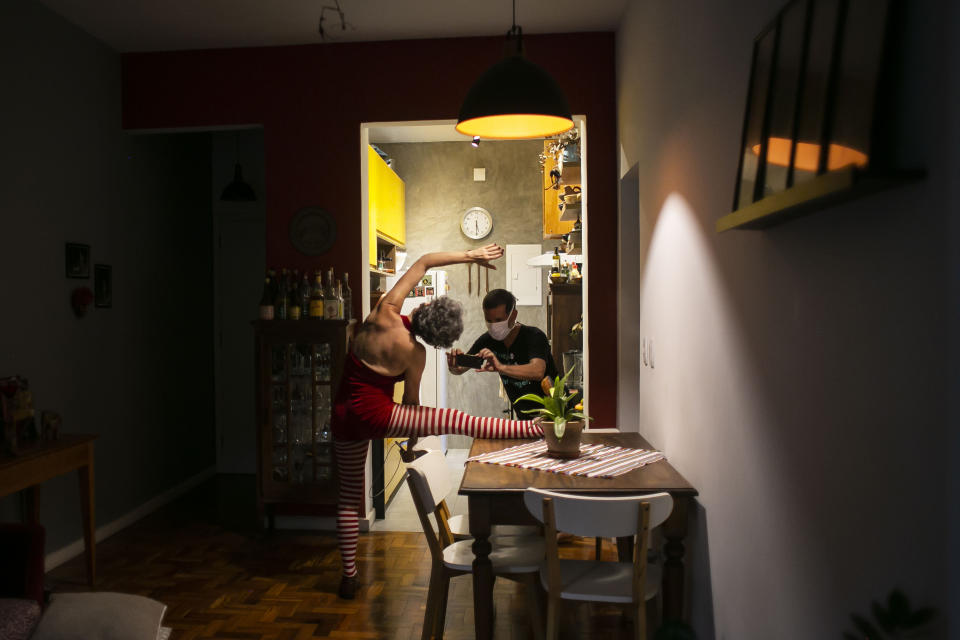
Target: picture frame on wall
x=103, y=286
x=77, y=260
x=812, y=96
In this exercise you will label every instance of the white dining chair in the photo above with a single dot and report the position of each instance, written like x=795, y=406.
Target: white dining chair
x=517, y=558
x=459, y=524
x=629, y=584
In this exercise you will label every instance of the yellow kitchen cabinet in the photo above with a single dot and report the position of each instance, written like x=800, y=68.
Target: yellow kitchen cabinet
x=386, y=196
x=553, y=226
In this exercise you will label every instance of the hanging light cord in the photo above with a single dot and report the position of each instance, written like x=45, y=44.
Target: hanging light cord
x=515, y=35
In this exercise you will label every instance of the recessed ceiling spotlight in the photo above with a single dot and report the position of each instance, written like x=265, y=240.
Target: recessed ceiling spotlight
x=476, y=141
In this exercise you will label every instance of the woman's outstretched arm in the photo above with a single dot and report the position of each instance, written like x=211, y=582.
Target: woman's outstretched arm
x=428, y=261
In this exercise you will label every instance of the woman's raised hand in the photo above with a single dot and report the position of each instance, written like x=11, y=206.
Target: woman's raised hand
x=484, y=255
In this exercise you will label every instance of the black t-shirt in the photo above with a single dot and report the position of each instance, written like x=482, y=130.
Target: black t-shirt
x=530, y=343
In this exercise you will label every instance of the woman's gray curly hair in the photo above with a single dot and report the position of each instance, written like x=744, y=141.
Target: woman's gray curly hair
x=439, y=323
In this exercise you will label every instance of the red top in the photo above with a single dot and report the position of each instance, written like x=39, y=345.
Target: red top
x=364, y=402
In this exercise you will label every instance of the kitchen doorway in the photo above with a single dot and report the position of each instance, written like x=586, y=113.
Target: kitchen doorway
x=443, y=176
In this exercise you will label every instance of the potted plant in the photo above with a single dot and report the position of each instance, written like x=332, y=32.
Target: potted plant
x=562, y=424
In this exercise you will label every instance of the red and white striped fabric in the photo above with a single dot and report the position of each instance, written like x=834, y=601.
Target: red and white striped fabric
x=595, y=461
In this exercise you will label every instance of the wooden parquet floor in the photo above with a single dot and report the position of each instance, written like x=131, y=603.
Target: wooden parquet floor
x=221, y=577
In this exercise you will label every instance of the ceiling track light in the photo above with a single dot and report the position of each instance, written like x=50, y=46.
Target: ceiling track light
x=514, y=99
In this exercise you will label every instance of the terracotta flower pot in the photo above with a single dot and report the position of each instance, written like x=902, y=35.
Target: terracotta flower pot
x=566, y=447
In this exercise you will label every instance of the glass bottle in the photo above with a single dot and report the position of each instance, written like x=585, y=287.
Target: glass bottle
x=281, y=303
x=316, y=298
x=331, y=304
x=295, y=310
x=272, y=274
x=339, y=300
x=266, y=301
x=304, y=294
x=347, y=298
x=556, y=260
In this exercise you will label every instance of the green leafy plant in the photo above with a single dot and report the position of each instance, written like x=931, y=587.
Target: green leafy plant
x=895, y=620
x=556, y=405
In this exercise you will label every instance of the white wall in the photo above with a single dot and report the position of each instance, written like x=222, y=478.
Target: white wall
x=801, y=372
x=138, y=374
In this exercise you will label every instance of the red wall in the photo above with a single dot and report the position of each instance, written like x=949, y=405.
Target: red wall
x=311, y=100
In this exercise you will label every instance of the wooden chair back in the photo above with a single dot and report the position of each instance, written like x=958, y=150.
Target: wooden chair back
x=429, y=480
x=598, y=516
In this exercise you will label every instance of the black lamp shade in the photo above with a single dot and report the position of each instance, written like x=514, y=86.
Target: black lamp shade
x=514, y=99
x=238, y=190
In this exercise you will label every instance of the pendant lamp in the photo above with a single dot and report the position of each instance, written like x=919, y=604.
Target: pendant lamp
x=514, y=99
x=238, y=190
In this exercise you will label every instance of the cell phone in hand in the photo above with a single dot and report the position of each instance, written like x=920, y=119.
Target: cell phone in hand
x=467, y=360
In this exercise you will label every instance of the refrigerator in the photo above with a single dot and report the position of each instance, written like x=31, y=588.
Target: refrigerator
x=433, y=383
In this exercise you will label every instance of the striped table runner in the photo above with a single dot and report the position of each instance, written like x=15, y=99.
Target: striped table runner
x=595, y=461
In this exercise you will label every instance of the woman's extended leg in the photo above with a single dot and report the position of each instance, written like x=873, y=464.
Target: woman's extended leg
x=406, y=420
x=412, y=420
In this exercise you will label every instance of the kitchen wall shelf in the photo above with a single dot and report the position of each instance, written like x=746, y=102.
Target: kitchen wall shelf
x=823, y=191
x=570, y=213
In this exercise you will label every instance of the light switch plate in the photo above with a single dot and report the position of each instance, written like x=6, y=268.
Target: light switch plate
x=479, y=174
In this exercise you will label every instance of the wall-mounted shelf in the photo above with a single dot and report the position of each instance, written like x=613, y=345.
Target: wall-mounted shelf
x=570, y=212
x=823, y=191
x=382, y=239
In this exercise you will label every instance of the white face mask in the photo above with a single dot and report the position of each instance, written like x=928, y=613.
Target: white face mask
x=499, y=330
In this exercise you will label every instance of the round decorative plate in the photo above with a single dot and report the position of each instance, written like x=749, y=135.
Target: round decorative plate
x=313, y=231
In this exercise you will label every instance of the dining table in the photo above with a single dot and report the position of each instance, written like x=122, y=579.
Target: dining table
x=495, y=496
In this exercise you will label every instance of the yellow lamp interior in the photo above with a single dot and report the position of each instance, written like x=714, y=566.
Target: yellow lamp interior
x=515, y=126
x=808, y=155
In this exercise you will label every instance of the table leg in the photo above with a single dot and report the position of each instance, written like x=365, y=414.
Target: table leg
x=87, y=506
x=675, y=530
x=480, y=516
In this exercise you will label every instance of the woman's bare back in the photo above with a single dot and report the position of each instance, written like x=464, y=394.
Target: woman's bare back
x=383, y=343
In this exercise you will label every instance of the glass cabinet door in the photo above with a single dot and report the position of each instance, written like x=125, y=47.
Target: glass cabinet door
x=300, y=408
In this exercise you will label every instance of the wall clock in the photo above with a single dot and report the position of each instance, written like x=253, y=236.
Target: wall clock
x=313, y=231
x=476, y=223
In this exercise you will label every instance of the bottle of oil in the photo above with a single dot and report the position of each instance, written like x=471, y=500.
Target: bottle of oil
x=316, y=298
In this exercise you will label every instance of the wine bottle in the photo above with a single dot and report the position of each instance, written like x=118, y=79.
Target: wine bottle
x=272, y=274
x=331, y=305
x=304, y=294
x=556, y=260
x=266, y=301
x=295, y=310
x=281, y=303
x=316, y=298
x=347, y=298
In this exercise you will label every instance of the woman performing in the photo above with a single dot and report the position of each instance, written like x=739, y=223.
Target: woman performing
x=384, y=350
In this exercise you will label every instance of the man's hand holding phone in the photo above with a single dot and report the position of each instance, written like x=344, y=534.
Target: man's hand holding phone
x=459, y=362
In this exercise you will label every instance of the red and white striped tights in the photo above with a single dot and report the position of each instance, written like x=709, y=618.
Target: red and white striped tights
x=406, y=420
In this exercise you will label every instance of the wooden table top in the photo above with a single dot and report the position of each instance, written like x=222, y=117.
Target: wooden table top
x=40, y=449
x=497, y=478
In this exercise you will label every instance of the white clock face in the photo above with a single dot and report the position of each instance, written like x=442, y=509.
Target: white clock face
x=476, y=223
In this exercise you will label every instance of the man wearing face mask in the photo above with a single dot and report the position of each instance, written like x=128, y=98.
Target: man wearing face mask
x=520, y=354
